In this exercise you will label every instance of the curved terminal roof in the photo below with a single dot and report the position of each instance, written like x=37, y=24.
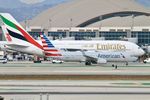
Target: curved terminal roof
x=93, y=13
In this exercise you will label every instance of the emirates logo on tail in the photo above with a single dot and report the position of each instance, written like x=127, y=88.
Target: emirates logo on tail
x=8, y=37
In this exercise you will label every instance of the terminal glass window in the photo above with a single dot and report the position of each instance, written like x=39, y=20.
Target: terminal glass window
x=35, y=35
x=113, y=35
x=82, y=35
x=143, y=37
x=56, y=35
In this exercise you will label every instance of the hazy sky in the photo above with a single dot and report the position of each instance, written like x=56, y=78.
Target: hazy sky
x=31, y=1
x=144, y=2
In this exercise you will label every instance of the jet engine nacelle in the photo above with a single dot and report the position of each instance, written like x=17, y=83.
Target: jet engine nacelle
x=101, y=61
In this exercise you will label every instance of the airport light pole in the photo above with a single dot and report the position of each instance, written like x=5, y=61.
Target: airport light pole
x=50, y=23
x=40, y=96
x=71, y=22
x=68, y=32
x=100, y=26
x=132, y=24
x=47, y=96
x=100, y=19
x=25, y=22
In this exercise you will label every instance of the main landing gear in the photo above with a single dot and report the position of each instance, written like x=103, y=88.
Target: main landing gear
x=88, y=63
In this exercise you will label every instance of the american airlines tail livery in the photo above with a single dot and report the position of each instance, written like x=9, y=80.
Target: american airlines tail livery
x=20, y=40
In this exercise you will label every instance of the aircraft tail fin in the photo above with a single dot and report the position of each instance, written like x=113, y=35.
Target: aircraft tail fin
x=16, y=31
x=48, y=47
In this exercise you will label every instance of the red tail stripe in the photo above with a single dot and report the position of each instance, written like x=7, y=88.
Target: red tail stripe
x=45, y=46
x=43, y=41
x=29, y=38
x=50, y=50
x=8, y=37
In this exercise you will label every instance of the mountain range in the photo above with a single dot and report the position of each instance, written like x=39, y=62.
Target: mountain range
x=22, y=11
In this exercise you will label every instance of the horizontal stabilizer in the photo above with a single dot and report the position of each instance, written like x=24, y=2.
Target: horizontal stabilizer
x=17, y=46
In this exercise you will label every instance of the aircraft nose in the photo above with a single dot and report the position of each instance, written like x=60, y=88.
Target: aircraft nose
x=142, y=52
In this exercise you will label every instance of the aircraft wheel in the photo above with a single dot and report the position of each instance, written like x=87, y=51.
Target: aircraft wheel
x=144, y=62
x=127, y=64
x=87, y=63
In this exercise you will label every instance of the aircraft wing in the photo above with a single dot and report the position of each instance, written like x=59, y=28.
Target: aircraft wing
x=93, y=58
x=89, y=57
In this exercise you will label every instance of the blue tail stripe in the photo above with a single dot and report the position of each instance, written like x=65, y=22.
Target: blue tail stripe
x=47, y=41
x=50, y=46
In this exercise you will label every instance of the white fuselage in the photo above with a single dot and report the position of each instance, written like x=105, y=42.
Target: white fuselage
x=78, y=56
x=30, y=49
x=101, y=46
x=112, y=56
x=74, y=56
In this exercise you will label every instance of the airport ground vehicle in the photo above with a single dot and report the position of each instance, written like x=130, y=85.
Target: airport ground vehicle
x=3, y=60
x=147, y=60
x=55, y=61
x=1, y=98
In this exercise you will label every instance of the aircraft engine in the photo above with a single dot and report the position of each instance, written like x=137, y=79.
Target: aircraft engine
x=101, y=61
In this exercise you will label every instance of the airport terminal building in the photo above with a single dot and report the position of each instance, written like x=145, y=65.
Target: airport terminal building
x=94, y=19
